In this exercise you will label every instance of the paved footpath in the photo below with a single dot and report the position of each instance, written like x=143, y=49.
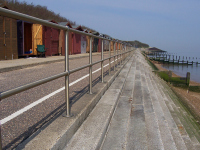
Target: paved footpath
x=9, y=65
x=138, y=111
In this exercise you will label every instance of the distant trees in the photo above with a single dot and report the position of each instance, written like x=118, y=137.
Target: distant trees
x=138, y=44
x=33, y=10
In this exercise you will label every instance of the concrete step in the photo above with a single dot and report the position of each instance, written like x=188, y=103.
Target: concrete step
x=153, y=133
x=91, y=133
x=169, y=119
x=184, y=126
x=166, y=136
x=136, y=135
x=117, y=131
x=186, y=123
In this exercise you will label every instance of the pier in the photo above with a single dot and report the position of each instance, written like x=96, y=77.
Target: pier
x=172, y=59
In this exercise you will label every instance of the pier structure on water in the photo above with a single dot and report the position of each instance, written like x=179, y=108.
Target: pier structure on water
x=164, y=57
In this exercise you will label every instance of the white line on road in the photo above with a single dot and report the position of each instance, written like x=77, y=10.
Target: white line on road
x=17, y=113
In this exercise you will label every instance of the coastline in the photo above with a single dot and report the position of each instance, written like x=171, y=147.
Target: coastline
x=159, y=66
x=189, y=99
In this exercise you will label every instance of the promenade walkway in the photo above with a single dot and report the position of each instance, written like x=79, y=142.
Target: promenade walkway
x=9, y=65
x=138, y=111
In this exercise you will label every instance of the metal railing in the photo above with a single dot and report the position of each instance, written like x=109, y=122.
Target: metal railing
x=120, y=57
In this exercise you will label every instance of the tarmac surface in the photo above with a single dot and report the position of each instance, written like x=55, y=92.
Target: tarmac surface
x=9, y=65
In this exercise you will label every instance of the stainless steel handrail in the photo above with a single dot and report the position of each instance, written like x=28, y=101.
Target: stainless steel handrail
x=67, y=72
x=22, y=88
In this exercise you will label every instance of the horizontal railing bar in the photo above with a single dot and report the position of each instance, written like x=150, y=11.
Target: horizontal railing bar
x=83, y=67
x=30, y=85
x=80, y=68
x=24, y=17
x=45, y=80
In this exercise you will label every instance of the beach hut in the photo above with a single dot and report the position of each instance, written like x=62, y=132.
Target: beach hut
x=111, y=46
x=99, y=45
x=95, y=42
x=76, y=40
x=24, y=38
x=88, y=42
x=51, y=39
x=116, y=45
x=28, y=37
x=62, y=39
x=8, y=38
x=106, y=42
x=84, y=42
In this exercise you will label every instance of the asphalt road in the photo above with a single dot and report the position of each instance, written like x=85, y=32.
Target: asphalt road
x=22, y=126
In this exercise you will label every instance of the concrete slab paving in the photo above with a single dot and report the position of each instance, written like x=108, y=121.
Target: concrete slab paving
x=136, y=136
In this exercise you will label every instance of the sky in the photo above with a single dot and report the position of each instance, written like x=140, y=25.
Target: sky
x=171, y=25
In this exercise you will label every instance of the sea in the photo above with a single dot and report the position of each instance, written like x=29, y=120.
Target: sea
x=181, y=70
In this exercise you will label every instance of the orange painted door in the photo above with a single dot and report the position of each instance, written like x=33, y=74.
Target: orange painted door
x=37, y=37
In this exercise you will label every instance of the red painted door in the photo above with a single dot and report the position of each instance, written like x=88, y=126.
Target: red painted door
x=51, y=40
x=54, y=41
x=47, y=40
x=76, y=43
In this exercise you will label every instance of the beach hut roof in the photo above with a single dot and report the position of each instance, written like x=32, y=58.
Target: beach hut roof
x=65, y=24
x=77, y=27
x=85, y=30
x=95, y=33
x=53, y=21
x=106, y=36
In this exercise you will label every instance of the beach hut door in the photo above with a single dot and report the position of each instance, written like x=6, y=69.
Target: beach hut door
x=83, y=44
x=37, y=37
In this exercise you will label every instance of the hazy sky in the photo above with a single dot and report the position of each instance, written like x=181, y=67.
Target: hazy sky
x=171, y=25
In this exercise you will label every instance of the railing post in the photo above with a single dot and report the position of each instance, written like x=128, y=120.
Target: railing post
x=0, y=138
x=125, y=53
x=109, y=57
x=90, y=70
x=120, y=53
x=117, y=53
x=102, y=61
x=67, y=77
x=114, y=55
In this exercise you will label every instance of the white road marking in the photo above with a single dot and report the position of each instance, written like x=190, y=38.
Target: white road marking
x=17, y=113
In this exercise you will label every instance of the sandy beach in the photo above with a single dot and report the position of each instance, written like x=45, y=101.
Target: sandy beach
x=191, y=99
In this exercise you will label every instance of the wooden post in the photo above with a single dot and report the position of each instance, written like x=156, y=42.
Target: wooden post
x=188, y=79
